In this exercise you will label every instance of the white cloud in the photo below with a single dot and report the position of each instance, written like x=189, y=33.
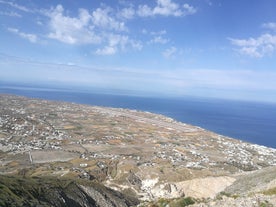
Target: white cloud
x=270, y=25
x=16, y=6
x=102, y=18
x=168, y=53
x=38, y=22
x=188, y=9
x=71, y=30
x=31, y=37
x=210, y=3
x=154, y=33
x=103, y=27
x=166, y=8
x=144, y=11
x=159, y=39
x=162, y=32
x=243, y=84
x=256, y=47
x=137, y=45
x=156, y=37
x=10, y=14
x=260, y=46
x=108, y=50
x=144, y=31
x=118, y=42
x=127, y=13
x=99, y=27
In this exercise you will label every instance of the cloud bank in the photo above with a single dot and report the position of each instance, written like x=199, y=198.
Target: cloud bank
x=31, y=37
x=258, y=47
x=166, y=8
x=104, y=28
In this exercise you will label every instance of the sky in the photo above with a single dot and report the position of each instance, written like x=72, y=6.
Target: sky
x=204, y=48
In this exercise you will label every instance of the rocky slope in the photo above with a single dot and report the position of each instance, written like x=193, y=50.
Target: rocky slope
x=145, y=155
x=51, y=191
x=256, y=188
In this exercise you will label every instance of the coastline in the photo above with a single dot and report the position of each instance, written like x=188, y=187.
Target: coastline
x=252, y=122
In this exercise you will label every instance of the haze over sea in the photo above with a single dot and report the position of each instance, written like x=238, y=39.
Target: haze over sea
x=249, y=121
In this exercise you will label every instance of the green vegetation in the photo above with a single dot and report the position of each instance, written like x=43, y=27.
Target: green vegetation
x=265, y=204
x=184, y=202
x=22, y=191
x=53, y=191
x=269, y=192
x=179, y=202
x=221, y=194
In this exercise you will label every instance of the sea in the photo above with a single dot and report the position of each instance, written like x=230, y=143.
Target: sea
x=254, y=122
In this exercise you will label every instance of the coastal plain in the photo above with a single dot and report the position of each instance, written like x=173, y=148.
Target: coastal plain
x=141, y=154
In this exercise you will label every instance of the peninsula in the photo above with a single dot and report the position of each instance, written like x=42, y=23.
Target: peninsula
x=121, y=157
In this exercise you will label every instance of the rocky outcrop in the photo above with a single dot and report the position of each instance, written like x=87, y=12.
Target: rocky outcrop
x=251, y=189
x=205, y=187
x=50, y=191
x=256, y=181
x=245, y=201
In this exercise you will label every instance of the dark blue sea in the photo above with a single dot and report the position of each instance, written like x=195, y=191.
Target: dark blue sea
x=249, y=121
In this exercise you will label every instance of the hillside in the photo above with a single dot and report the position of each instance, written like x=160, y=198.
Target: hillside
x=138, y=154
x=52, y=191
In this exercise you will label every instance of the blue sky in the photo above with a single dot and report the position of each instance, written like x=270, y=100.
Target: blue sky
x=210, y=48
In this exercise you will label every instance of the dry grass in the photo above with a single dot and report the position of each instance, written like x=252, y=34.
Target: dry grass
x=271, y=191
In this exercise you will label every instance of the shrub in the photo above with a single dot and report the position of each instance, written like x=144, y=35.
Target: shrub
x=182, y=202
x=186, y=202
x=271, y=191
